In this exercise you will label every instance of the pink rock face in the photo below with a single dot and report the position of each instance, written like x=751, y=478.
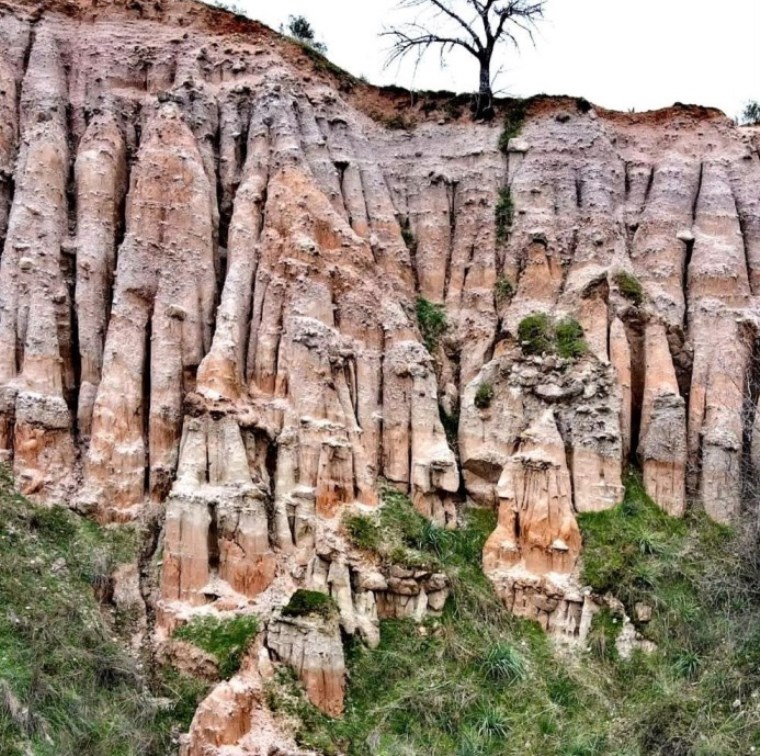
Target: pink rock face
x=313, y=648
x=662, y=445
x=211, y=260
x=537, y=528
x=234, y=719
x=160, y=325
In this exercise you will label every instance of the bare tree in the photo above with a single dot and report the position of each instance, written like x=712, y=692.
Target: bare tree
x=451, y=24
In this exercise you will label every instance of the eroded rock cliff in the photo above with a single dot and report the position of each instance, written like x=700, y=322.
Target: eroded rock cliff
x=212, y=249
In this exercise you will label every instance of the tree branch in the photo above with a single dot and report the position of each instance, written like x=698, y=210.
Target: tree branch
x=404, y=43
x=523, y=16
x=444, y=9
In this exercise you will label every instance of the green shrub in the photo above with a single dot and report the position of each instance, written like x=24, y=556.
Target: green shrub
x=751, y=114
x=491, y=722
x=363, y=531
x=304, y=603
x=504, y=214
x=687, y=664
x=504, y=290
x=302, y=31
x=568, y=335
x=539, y=336
x=432, y=321
x=630, y=287
x=226, y=639
x=513, y=123
x=484, y=396
x=535, y=333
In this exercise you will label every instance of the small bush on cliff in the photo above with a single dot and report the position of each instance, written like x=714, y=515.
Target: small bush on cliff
x=568, y=335
x=630, y=287
x=751, y=114
x=484, y=396
x=535, y=333
x=363, y=532
x=504, y=290
x=432, y=321
x=226, y=639
x=505, y=210
x=538, y=335
x=304, y=603
x=397, y=533
x=513, y=123
x=300, y=28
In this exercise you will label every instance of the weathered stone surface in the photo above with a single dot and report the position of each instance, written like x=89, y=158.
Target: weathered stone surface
x=662, y=446
x=234, y=720
x=312, y=647
x=211, y=255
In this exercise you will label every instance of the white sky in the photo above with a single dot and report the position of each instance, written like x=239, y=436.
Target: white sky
x=620, y=54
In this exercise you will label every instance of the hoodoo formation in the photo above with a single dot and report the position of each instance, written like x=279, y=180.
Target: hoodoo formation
x=214, y=251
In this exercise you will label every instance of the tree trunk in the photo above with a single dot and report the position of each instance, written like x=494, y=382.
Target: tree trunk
x=484, y=100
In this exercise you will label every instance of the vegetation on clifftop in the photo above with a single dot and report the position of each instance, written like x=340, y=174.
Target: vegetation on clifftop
x=305, y=603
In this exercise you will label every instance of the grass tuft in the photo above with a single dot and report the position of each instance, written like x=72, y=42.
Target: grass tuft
x=226, y=639
x=433, y=323
x=484, y=396
x=630, y=287
x=535, y=333
x=310, y=603
x=504, y=664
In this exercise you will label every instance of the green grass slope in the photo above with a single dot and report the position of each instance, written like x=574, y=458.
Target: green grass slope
x=480, y=682
x=66, y=685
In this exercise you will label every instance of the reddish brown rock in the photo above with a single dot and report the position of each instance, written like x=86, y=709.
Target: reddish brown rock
x=210, y=265
x=312, y=647
x=537, y=527
x=234, y=720
x=662, y=447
